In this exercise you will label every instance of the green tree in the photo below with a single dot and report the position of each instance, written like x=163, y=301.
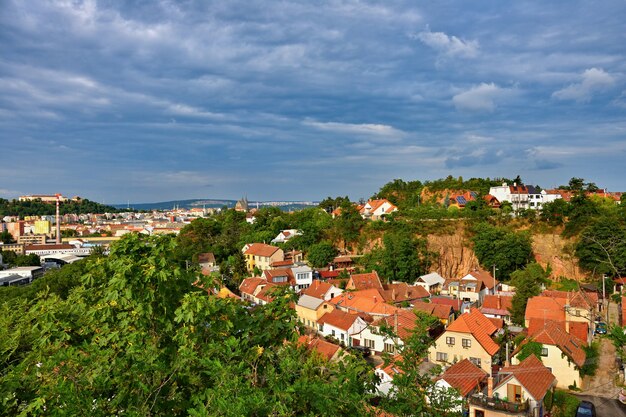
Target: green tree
x=348, y=224
x=527, y=284
x=602, y=247
x=321, y=254
x=6, y=237
x=506, y=249
x=530, y=348
x=555, y=212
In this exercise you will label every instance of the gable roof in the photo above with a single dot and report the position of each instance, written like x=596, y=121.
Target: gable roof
x=497, y=305
x=263, y=294
x=249, y=285
x=392, y=368
x=317, y=289
x=455, y=303
x=534, y=377
x=478, y=326
x=580, y=299
x=396, y=293
x=261, y=249
x=545, y=308
x=364, y=301
x=339, y=319
x=404, y=319
x=206, y=257
x=483, y=276
x=552, y=333
x=324, y=348
x=432, y=279
x=464, y=376
x=441, y=311
x=365, y=281
x=271, y=274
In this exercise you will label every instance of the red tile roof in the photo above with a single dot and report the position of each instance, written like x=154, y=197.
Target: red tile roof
x=478, y=326
x=339, y=319
x=545, y=308
x=249, y=285
x=365, y=281
x=483, y=276
x=441, y=311
x=403, y=319
x=498, y=302
x=271, y=274
x=329, y=274
x=396, y=293
x=554, y=334
x=261, y=249
x=464, y=376
x=317, y=289
x=452, y=302
x=579, y=329
x=324, y=348
x=534, y=377
x=580, y=299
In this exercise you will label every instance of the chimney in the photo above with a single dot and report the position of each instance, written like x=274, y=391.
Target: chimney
x=499, y=303
x=58, y=221
x=490, y=387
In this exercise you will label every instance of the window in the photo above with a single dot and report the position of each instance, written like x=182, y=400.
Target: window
x=544, y=351
x=442, y=357
x=369, y=343
x=321, y=327
x=333, y=333
x=341, y=336
x=466, y=343
x=449, y=340
x=390, y=348
x=475, y=361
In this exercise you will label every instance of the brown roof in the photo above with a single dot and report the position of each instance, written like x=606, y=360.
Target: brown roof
x=364, y=301
x=339, y=319
x=249, y=285
x=452, y=302
x=580, y=299
x=404, y=319
x=478, y=326
x=441, y=311
x=534, y=377
x=498, y=302
x=324, y=348
x=45, y=247
x=317, y=289
x=483, y=276
x=464, y=376
x=554, y=334
x=261, y=249
x=263, y=294
x=365, y=281
x=270, y=274
x=206, y=257
x=281, y=263
x=396, y=293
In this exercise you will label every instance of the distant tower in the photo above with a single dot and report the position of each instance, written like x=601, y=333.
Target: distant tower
x=242, y=205
x=58, y=221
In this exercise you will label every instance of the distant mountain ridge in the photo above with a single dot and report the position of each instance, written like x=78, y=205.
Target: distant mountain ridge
x=215, y=203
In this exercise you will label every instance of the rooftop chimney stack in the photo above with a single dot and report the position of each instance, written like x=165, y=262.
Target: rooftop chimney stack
x=490, y=387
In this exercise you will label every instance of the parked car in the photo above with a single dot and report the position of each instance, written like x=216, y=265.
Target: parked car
x=586, y=409
x=600, y=328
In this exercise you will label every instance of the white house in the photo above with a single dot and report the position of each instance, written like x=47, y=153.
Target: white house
x=285, y=235
x=386, y=373
x=377, y=209
x=432, y=282
x=322, y=290
x=341, y=325
x=303, y=275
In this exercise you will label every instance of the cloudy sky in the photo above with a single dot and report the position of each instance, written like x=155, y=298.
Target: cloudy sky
x=158, y=100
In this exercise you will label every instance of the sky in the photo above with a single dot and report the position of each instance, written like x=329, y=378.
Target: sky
x=158, y=100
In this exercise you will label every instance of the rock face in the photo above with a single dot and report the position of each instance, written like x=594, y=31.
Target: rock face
x=554, y=250
x=456, y=257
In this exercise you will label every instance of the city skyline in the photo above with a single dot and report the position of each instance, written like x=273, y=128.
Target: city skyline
x=293, y=101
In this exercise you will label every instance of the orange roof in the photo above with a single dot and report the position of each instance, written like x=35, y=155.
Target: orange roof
x=404, y=319
x=281, y=263
x=483, y=276
x=393, y=367
x=364, y=301
x=579, y=329
x=498, y=302
x=365, y=281
x=249, y=285
x=441, y=311
x=396, y=293
x=317, y=289
x=579, y=299
x=478, y=326
x=499, y=323
x=464, y=376
x=261, y=249
x=270, y=274
x=263, y=294
x=339, y=319
x=534, y=377
x=545, y=308
x=324, y=348
x=554, y=334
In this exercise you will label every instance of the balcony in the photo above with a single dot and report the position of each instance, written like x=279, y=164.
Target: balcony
x=499, y=405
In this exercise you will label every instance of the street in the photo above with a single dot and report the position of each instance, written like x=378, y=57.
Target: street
x=606, y=407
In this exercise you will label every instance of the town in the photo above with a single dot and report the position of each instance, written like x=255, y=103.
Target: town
x=508, y=331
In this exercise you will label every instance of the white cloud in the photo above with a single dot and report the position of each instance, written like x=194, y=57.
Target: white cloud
x=449, y=45
x=480, y=98
x=593, y=80
x=364, y=128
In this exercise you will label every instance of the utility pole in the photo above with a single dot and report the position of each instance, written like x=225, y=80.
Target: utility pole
x=495, y=288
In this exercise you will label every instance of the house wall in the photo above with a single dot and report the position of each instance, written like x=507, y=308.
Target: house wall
x=309, y=317
x=564, y=370
x=457, y=352
x=371, y=333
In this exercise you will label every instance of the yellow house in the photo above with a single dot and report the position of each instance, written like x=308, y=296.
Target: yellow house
x=310, y=309
x=468, y=337
x=262, y=256
x=561, y=352
x=42, y=227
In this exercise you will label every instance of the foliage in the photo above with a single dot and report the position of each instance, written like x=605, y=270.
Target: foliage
x=402, y=194
x=555, y=212
x=6, y=237
x=321, y=254
x=403, y=257
x=502, y=247
x=527, y=283
x=39, y=208
x=329, y=204
x=617, y=336
x=592, y=359
x=530, y=348
x=560, y=403
x=582, y=211
x=412, y=385
x=348, y=224
x=602, y=247
x=14, y=260
x=135, y=337
x=480, y=185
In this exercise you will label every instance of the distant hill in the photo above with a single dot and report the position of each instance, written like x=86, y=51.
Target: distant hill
x=213, y=203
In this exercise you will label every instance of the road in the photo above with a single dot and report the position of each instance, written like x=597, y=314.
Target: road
x=606, y=407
